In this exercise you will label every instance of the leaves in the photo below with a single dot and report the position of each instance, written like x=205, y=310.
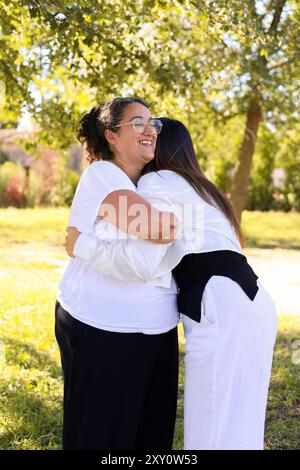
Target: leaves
x=210, y=54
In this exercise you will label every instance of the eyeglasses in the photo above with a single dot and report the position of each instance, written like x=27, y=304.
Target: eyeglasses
x=139, y=125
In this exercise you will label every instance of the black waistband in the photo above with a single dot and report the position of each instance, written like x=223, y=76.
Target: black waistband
x=194, y=271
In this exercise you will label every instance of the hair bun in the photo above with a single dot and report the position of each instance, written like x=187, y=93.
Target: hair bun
x=91, y=128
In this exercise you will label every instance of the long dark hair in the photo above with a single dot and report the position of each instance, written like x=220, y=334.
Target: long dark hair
x=92, y=125
x=175, y=151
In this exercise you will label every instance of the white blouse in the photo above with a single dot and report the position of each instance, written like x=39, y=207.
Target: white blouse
x=203, y=228
x=93, y=296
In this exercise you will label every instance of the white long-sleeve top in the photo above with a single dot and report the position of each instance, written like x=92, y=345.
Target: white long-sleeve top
x=203, y=228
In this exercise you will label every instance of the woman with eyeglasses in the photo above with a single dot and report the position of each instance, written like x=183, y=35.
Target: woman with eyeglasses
x=118, y=340
x=229, y=319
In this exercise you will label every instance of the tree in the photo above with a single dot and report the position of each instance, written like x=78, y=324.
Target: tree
x=254, y=65
x=202, y=61
x=261, y=187
x=289, y=159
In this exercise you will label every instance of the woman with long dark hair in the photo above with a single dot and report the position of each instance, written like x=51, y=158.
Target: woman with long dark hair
x=229, y=319
x=118, y=340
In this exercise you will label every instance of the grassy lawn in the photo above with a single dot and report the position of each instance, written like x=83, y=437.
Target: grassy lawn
x=272, y=229
x=32, y=259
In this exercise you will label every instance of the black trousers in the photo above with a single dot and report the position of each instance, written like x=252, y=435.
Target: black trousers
x=120, y=389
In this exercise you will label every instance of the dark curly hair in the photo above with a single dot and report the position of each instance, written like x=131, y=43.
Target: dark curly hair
x=92, y=125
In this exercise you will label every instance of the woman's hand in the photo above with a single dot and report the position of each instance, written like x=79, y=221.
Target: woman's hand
x=71, y=239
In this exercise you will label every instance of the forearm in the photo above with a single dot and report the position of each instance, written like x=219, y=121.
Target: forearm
x=133, y=214
x=122, y=259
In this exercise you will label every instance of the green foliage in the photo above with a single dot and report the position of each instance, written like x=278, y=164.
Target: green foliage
x=218, y=150
x=289, y=159
x=261, y=189
x=206, y=53
x=51, y=182
x=3, y=157
x=198, y=61
x=8, y=172
x=65, y=182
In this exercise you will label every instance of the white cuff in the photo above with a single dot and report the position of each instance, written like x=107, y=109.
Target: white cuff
x=85, y=247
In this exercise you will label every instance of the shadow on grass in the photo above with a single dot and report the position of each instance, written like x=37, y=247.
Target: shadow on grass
x=30, y=423
x=283, y=412
x=255, y=242
x=34, y=421
x=26, y=356
x=31, y=403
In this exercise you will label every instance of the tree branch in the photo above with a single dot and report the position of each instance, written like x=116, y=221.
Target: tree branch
x=268, y=9
x=80, y=53
x=277, y=16
x=278, y=64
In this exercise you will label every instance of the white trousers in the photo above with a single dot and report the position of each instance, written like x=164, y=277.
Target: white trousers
x=227, y=368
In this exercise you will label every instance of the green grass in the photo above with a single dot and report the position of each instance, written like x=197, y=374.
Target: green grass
x=41, y=225
x=272, y=229
x=283, y=415
x=32, y=257
x=31, y=383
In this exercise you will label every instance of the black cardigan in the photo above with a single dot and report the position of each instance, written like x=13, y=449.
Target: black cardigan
x=194, y=271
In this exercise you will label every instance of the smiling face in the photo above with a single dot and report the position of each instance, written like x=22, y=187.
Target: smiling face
x=129, y=146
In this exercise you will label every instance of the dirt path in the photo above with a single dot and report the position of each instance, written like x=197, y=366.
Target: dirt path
x=279, y=272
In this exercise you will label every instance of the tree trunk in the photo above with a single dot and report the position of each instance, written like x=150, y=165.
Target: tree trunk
x=241, y=177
